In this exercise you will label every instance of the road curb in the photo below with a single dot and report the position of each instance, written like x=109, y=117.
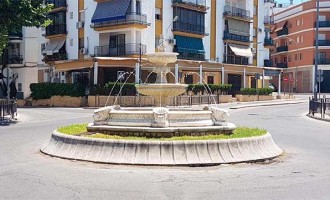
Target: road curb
x=167, y=153
x=266, y=104
x=318, y=118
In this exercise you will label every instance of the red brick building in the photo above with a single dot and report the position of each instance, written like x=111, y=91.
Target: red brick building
x=294, y=45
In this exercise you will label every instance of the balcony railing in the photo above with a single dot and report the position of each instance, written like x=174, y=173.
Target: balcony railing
x=269, y=1
x=282, y=65
x=237, y=12
x=323, y=42
x=238, y=60
x=57, y=3
x=120, y=50
x=191, y=56
x=130, y=18
x=190, y=28
x=268, y=63
x=201, y=3
x=323, y=24
x=323, y=61
x=268, y=42
x=15, y=59
x=230, y=36
x=268, y=20
x=62, y=55
x=284, y=31
x=281, y=49
x=56, y=29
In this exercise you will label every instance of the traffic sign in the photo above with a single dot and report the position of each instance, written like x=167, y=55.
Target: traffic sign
x=320, y=72
x=320, y=79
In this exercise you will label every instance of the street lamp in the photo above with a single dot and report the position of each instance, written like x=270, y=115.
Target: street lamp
x=316, y=48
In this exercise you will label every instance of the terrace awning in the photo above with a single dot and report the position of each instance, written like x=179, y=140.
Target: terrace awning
x=238, y=50
x=189, y=44
x=110, y=10
x=54, y=46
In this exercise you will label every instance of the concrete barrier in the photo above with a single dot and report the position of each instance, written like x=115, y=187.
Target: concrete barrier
x=131, y=152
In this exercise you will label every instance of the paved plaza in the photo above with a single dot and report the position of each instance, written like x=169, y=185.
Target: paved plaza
x=301, y=173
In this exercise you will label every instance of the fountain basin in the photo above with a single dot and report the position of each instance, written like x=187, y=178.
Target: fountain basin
x=161, y=92
x=162, y=57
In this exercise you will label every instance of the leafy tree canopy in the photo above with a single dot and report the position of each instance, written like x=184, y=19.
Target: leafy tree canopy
x=17, y=13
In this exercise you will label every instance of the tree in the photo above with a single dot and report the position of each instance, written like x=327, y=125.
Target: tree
x=17, y=13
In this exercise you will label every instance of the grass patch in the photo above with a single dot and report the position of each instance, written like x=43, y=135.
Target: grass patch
x=240, y=132
x=74, y=129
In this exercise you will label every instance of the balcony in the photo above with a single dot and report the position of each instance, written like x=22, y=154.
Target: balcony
x=238, y=60
x=281, y=49
x=268, y=42
x=323, y=61
x=119, y=50
x=190, y=28
x=130, y=18
x=268, y=63
x=199, y=5
x=323, y=43
x=191, y=56
x=15, y=59
x=284, y=31
x=268, y=20
x=323, y=24
x=240, y=38
x=282, y=65
x=56, y=29
x=62, y=55
x=57, y=3
x=237, y=12
x=269, y=1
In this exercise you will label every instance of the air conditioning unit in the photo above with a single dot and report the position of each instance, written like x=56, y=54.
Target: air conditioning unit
x=172, y=41
x=83, y=51
x=80, y=24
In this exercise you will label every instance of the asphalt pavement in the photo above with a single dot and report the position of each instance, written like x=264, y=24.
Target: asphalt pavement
x=301, y=173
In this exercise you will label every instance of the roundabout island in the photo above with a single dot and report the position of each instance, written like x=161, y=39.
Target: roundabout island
x=162, y=135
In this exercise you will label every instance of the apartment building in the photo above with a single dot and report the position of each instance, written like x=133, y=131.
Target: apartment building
x=294, y=37
x=25, y=59
x=218, y=41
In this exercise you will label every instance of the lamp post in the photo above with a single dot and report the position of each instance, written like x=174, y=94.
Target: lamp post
x=316, y=48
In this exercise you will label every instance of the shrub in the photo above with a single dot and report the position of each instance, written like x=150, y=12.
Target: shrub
x=265, y=91
x=210, y=88
x=47, y=90
x=248, y=91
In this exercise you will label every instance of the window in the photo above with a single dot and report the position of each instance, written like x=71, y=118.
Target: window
x=300, y=56
x=158, y=15
x=71, y=42
x=71, y=15
x=295, y=57
x=138, y=7
x=298, y=22
x=254, y=10
x=284, y=60
x=210, y=79
x=19, y=87
x=301, y=39
x=43, y=46
x=298, y=39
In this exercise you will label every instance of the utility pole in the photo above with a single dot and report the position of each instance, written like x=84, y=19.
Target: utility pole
x=5, y=65
x=140, y=58
x=316, y=48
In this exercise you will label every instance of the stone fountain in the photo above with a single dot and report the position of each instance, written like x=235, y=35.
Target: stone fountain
x=161, y=89
x=160, y=122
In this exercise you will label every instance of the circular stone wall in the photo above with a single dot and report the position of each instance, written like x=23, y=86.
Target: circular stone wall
x=197, y=152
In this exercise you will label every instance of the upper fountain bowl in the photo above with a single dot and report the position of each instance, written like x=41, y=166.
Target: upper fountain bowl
x=162, y=57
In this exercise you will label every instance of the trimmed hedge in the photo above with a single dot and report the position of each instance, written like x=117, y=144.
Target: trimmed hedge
x=210, y=88
x=259, y=91
x=128, y=89
x=47, y=90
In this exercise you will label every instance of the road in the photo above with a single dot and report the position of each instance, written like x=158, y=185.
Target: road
x=302, y=173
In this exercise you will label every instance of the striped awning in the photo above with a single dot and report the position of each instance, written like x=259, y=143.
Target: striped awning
x=239, y=50
x=189, y=44
x=110, y=10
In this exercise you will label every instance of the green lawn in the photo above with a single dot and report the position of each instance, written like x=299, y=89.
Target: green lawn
x=240, y=132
